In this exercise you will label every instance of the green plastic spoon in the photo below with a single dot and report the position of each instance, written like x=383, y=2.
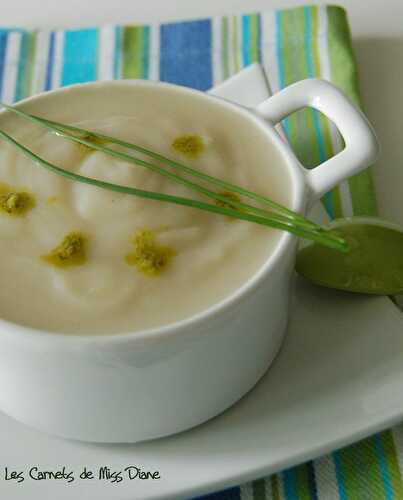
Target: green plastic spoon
x=374, y=264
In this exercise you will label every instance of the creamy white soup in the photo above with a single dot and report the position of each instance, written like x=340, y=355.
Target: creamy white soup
x=110, y=284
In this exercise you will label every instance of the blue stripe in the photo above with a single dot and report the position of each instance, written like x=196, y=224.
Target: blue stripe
x=51, y=59
x=185, y=56
x=290, y=484
x=328, y=200
x=280, y=64
x=245, y=40
x=307, y=41
x=339, y=476
x=117, y=53
x=229, y=494
x=312, y=481
x=80, y=56
x=387, y=486
x=22, y=61
x=3, y=50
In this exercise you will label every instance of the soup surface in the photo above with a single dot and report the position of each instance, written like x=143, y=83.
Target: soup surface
x=82, y=260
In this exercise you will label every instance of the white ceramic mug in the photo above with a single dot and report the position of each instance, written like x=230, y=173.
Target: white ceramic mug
x=142, y=385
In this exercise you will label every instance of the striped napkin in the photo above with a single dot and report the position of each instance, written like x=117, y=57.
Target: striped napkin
x=291, y=45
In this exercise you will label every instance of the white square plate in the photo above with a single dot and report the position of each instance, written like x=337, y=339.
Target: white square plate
x=338, y=378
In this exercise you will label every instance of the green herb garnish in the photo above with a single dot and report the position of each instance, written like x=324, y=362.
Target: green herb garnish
x=70, y=252
x=189, y=145
x=282, y=218
x=231, y=197
x=16, y=203
x=93, y=139
x=148, y=256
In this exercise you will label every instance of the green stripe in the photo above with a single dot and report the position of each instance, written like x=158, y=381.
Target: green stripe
x=323, y=121
x=344, y=75
x=392, y=463
x=224, y=47
x=303, y=482
x=310, y=43
x=25, y=66
x=146, y=51
x=135, y=52
x=301, y=126
x=309, y=146
x=235, y=44
x=275, y=489
x=360, y=471
x=288, y=65
x=254, y=38
x=259, y=490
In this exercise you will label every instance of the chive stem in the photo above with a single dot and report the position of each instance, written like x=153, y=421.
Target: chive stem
x=52, y=125
x=286, y=220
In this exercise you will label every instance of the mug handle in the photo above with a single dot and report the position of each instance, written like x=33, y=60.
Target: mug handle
x=361, y=145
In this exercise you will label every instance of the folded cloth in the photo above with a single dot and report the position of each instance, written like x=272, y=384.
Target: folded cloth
x=293, y=44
